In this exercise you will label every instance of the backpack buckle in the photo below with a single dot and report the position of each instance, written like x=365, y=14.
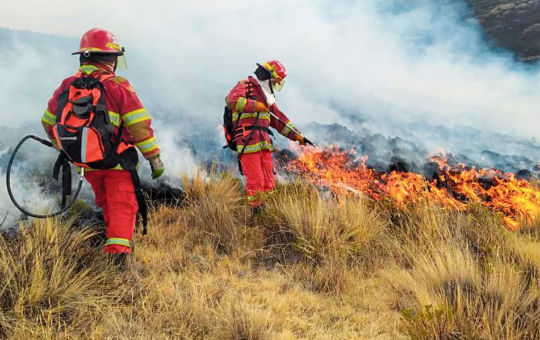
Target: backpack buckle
x=82, y=107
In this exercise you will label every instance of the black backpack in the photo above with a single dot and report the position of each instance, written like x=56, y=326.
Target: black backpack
x=229, y=129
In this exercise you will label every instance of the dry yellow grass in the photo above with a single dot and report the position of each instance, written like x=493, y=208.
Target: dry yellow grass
x=310, y=267
x=50, y=278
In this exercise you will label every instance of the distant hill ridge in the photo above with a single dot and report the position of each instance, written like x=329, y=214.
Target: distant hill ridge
x=511, y=24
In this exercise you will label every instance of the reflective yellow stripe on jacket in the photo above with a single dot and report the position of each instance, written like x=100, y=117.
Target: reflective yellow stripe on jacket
x=48, y=118
x=262, y=115
x=264, y=145
x=135, y=117
x=147, y=146
x=241, y=105
x=286, y=130
x=115, y=118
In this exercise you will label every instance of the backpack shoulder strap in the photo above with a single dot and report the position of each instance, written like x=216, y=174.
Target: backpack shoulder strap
x=249, y=87
x=62, y=102
x=104, y=77
x=63, y=98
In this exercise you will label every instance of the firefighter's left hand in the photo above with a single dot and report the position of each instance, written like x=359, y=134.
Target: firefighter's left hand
x=157, y=167
x=300, y=139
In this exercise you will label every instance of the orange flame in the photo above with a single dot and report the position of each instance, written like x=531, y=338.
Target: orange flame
x=345, y=174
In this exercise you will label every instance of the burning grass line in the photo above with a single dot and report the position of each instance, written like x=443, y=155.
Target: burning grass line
x=455, y=185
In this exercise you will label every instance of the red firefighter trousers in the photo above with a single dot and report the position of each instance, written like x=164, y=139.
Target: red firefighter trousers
x=258, y=168
x=115, y=194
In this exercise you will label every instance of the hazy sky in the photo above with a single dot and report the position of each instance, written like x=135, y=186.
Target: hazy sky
x=392, y=61
x=401, y=58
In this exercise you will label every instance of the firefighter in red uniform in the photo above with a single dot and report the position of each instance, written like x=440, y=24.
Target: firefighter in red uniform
x=254, y=108
x=114, y=189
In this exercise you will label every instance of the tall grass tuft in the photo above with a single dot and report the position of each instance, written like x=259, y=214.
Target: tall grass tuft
x=216, y=208
x=50, y=279
x=327, y=234
x=242, y=322
x=464, y=277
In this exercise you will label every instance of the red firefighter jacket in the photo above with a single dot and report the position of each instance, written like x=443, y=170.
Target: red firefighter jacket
x=242, y=104
x=124, y=108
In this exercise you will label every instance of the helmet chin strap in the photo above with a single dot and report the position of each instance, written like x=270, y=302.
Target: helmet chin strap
x=271, y=86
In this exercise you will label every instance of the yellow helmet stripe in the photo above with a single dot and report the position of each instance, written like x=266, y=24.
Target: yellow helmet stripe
x=271, y=70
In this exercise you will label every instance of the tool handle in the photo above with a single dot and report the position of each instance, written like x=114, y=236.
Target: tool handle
x=292, y=129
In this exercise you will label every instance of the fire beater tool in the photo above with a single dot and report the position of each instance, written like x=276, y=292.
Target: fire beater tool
x=292, y=129
x=62, y=163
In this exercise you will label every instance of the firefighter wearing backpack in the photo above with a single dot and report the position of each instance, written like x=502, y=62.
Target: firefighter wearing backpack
x=96, y=119
x=253, y=109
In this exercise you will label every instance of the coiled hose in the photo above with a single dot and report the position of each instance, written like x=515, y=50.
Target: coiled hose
x=8, y=181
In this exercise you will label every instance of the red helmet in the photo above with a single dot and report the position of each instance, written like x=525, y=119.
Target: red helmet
x=276, y=69
x=99, y=41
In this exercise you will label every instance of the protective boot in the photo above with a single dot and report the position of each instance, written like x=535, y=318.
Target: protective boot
x=255, y=211
x=120, y=260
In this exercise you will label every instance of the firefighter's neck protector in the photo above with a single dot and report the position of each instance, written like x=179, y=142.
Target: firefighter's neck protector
x=267, y=90
x=111, y=61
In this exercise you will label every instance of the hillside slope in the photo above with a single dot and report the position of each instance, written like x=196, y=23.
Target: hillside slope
x=511, y=24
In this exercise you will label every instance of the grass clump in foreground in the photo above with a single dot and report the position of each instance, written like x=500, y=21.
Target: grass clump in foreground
x=310, y=267
x=50, y=278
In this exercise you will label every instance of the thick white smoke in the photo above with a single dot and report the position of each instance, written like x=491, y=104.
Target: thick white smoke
x=404, y=66
x=404, y=59
x=392, y=59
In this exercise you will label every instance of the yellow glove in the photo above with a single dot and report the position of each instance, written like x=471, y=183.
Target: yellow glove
x=157, y=167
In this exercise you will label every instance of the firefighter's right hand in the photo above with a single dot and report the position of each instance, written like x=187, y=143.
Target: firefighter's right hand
x=260, y=107
x=157, y=167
